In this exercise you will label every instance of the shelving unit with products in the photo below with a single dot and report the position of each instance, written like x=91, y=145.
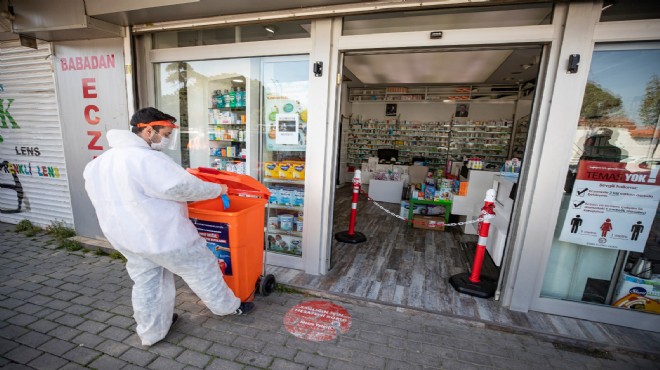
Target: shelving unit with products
x=435, y=141
x=411, y=138
x=227, y=125
x=488, y=140
x=521, y=130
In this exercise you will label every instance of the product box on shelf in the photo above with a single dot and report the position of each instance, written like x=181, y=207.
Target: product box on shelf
x=298, y=170
x=270, y=169
x=443, y=194
x=284, y=170
x=632, y=284
x=429, y=222
x=405, y=206
x=284, y=243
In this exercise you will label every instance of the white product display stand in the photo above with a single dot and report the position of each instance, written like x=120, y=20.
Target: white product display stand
x=386, y=191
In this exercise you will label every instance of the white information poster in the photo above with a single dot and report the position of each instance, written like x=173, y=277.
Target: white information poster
x=611, y=207
x=286, y=128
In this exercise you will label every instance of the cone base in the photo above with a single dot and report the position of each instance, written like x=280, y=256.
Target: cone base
x=483, y=289
x=356, y=238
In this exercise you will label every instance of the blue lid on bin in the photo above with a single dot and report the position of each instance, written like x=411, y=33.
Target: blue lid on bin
x=240, y=185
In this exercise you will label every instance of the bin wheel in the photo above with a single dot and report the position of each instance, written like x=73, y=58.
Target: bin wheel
x=267, y=285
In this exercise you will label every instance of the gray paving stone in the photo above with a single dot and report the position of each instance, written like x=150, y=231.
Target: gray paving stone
x=81, y=355
x=47, y=361
x=77, y=309
x=391, y=364
x=33, y=339
x=277, y=350
x=11, y=331
x=88, y=340
x=5, y=314
x=57, y=347
x=23, y=295
x=98, y=315
x=252, y=344
x=106, y=362
x=254, y=359
x=40, y=300
x=367, y=359
x=42, y=326
x=222, y=364
x=112, y=348
x=162, y=363
x=22, y=319
x=64, y=332
x=115, y=333
x=193, y=358
x=123, y=310
x=28, y=308
x=138, y=357
x=120, y=321
x=7, y=345
x=23, y=354
x=309, y=359
x=69, y=320
x=166, y=349
x=196, y=344
x=57, y=304
x=103, y=305
x=90, y=326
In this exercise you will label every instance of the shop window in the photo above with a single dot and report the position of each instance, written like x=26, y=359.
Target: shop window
x=446, y=19
x=233, y=34
x=629, y=10
x=606, y=248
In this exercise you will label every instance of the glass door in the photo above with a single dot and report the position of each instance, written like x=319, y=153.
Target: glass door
x=283, y=149
x=606, y=248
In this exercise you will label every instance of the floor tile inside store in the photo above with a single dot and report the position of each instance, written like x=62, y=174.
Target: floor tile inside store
x=407, y=267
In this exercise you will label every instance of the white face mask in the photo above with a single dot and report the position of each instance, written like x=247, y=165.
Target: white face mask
x=162, y=144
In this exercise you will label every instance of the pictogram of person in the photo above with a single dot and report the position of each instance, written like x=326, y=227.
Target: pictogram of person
x=576, y=222
x=606, y=227
x=636, y=229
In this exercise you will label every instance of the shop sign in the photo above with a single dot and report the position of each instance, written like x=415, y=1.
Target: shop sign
x=317, y=321
x=92, y=89
x=612, y=206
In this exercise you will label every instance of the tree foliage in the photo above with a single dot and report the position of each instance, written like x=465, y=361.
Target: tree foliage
x=650, y=109
x=599, y=103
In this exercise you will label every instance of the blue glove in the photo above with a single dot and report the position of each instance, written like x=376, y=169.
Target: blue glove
x=225, y=201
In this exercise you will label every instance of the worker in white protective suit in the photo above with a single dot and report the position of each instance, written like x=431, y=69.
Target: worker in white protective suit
x=140, y=197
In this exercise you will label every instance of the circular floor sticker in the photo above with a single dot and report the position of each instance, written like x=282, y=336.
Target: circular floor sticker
x=317, y=321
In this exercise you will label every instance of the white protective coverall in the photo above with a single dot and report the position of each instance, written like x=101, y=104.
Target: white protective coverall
x=140, y=199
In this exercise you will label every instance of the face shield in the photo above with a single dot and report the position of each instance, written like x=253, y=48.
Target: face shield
x=166, y=138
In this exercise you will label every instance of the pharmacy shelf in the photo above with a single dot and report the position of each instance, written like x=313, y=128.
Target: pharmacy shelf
x=290, y=208
x=284, y=181
x=285, y=232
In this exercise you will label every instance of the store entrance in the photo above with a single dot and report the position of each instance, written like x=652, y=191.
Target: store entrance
x=430, y=131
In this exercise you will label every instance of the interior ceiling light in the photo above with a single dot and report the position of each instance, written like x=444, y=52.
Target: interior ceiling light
x=238, y=80
x=525, y=66
x=271, y=28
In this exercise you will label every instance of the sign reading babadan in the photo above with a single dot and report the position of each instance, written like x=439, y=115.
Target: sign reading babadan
x=612, y=206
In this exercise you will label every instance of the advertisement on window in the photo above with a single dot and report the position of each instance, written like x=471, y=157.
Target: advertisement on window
x=611, y=206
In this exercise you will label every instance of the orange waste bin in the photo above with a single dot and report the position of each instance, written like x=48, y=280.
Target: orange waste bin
x=235, y=235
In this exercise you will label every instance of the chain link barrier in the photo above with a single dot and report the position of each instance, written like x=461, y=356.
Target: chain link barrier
x=484, y=214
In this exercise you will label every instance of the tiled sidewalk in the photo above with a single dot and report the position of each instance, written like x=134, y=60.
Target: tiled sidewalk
x=69, y=310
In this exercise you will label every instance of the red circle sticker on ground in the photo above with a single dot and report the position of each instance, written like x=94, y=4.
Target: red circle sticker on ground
x=317, y=321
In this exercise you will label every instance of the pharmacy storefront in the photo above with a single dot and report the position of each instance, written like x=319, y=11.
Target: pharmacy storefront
x=268, y=100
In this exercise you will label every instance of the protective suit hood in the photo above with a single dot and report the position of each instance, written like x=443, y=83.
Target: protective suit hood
x=123, y=138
